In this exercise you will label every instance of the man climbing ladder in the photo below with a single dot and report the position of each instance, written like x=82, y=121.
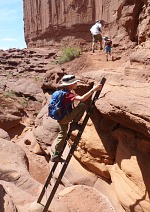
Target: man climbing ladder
x=61, y=109
x=73, y=147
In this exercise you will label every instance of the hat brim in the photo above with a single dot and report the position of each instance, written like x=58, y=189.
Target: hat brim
x=69, y=83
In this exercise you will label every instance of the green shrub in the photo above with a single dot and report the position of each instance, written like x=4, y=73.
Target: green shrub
x=68, y=54
x=24, y=101
x=9, y=94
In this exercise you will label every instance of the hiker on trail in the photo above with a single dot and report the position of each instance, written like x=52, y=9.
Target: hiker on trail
x=96, y=31
x=72, y=114
x=108, y=46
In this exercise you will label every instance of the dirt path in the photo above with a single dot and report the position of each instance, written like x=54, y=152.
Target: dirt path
x=89, y=61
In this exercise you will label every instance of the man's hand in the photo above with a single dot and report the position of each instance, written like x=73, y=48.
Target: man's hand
x=97, y=87
x=89, y=93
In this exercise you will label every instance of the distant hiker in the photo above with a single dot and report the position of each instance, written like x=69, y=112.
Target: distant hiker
x=108, y=46
x=70, y=113
x=96, y=31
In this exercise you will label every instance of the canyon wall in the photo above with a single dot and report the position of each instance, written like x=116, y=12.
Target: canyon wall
x=51, y=22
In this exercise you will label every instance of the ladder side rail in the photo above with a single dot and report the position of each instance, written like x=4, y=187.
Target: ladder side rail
x=47, y=182
x=52, y=171
x=98, y=92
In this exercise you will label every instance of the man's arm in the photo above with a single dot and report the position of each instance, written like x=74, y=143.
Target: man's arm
x=100, y=27
x=89, y=93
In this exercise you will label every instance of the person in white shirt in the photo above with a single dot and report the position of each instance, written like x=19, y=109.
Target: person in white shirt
x=96, y=31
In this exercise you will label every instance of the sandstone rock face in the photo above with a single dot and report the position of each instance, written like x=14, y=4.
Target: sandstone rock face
x=6, y=202
x=9, y=121
x=100, y=203
x=129, y=174
x=47, y=129
x=4, y=134
x=27, y=88
x=15, y=177
x=115, y=142
x=49, y=22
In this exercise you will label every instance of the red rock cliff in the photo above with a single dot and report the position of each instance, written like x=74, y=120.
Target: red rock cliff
x=47, y=22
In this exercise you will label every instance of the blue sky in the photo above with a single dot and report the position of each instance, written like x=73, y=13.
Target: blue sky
x=11, y=24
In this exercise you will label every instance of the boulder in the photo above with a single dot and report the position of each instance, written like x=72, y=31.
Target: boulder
x=4, y=134
x=47, y=129
x=27, y=88
x=122, y=106
x=130, y=174
x=6, y=201
x=9, y=121
x=15, y=177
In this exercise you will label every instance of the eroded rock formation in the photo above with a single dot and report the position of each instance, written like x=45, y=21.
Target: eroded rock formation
x=115, y=145
x=51, y=22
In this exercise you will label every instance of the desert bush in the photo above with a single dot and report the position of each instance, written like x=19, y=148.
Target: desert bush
x=9, y=94
x=68, y=54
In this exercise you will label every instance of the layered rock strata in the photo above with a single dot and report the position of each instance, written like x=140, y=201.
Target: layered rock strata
x=51, y=22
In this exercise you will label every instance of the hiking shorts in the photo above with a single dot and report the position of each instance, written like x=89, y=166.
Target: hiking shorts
x=108, y=49
x=97, y=38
